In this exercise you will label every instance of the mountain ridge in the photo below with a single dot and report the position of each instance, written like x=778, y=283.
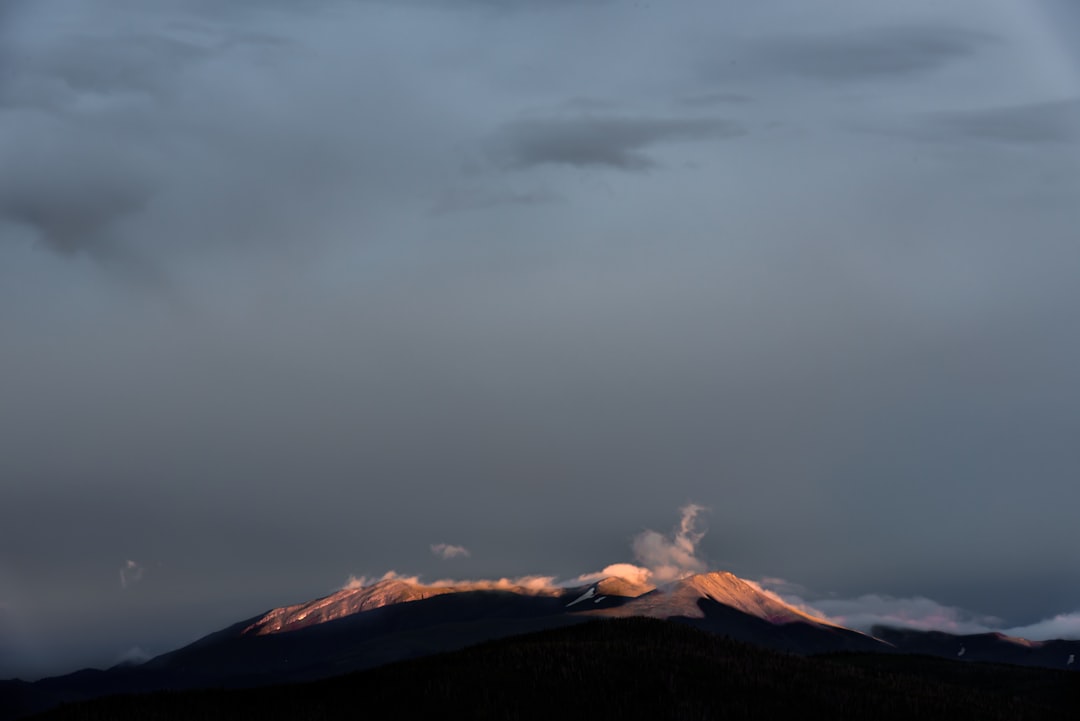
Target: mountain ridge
x=395, y=619
x=630, y=668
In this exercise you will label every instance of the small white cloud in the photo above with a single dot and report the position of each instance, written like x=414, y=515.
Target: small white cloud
x=355, y=582
x=626, y=571
x=448, y=551
x=130, y=573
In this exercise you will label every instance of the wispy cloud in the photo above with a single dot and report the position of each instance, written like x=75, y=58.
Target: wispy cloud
x=1045, y=122
x=73, y=193
x=617, y=143
x=663, y=557
x=673, y=555
x=364, y=581
x=711, y=99
x=130, y=573
x=916, y=612
x=536, y=583
x=924, y=614
x=448, y=551
x=869, y=54
x=872, y=609
x=1064, y=625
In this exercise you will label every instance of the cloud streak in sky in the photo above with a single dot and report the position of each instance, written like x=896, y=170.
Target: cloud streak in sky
x=1056, y=122
x=447, y=551
x=918, y=612
x=923, y=614
x=617, y=143
x=869, y=54
x=869, y=610
x=72, y=188
x=1063, y=625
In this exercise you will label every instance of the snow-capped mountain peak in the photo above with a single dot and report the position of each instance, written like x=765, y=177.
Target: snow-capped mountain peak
x=681, y=598
x=345, y=602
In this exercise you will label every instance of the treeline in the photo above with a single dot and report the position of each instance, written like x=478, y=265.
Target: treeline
x=629, y=669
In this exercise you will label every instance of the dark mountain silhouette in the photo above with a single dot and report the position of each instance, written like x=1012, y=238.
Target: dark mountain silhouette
x=990, y=647
x=725, y=604
x=629, y=668
x=398, y=619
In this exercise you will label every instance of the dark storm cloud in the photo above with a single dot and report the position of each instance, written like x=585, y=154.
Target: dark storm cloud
x=83, y=60
x=1051, y=122
x=76, y=160
x=137, y=142
x=611, y=142
x=817, y=333
x=110, y=64
x=72, y=191
x=875, y=53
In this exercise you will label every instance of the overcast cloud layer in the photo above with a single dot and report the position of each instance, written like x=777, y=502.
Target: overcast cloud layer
x=296, y=291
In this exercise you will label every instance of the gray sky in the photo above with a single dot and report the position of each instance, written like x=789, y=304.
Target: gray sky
x=295, y=291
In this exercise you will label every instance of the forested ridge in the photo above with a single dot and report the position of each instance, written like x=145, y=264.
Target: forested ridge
x=628, y=668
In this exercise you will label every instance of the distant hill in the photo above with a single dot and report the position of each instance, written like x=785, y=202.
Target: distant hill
x=634, y=668
x=992, y=647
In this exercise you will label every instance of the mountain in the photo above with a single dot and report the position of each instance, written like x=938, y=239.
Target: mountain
x=609, y=591
x=719, y=602
x=989, y=647
x=397, y=619
x=683, y=599
x=343, y=603
x=725, y=604
x=630, y=668
x=394, y=590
